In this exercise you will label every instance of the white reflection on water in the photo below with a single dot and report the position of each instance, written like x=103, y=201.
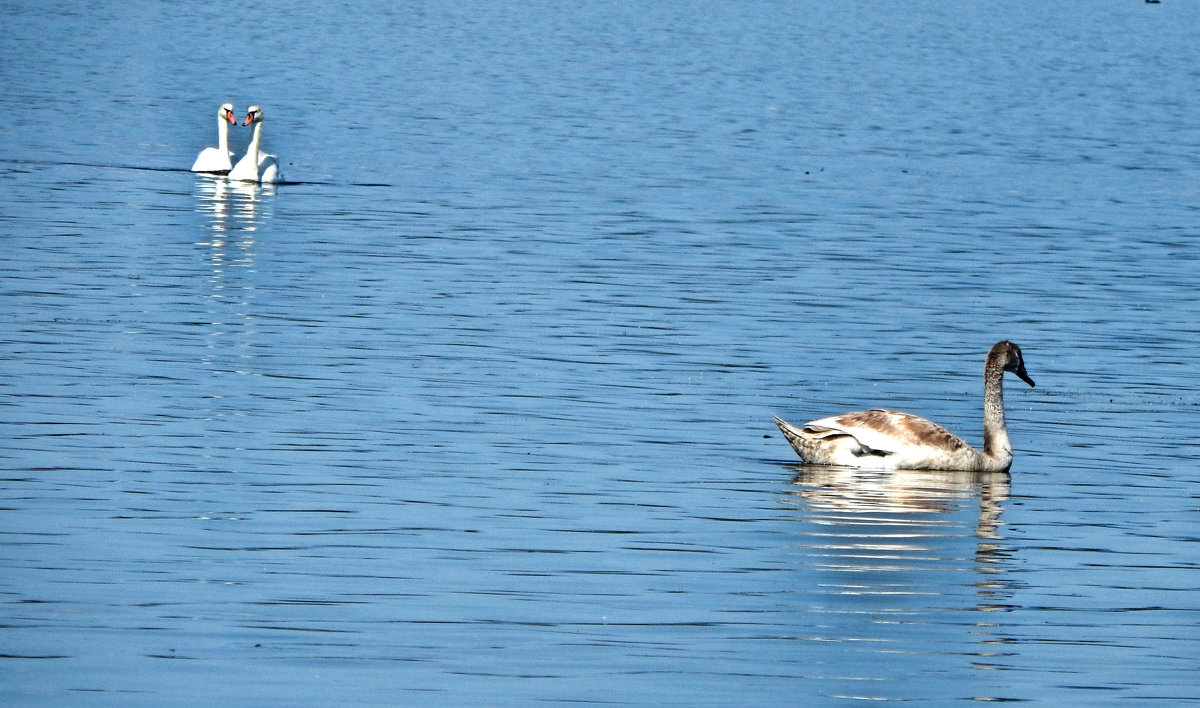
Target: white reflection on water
x=234, y=211
x=232, y=205
x=872, y=523
x=849, y=489
x=904, y=555
x=902, y=491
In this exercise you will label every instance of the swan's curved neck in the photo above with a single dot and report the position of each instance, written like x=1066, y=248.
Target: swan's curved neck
x=222, y=135
x=253, y=149
x=995, y=432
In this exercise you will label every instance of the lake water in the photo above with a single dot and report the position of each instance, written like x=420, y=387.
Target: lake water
x=476, y=410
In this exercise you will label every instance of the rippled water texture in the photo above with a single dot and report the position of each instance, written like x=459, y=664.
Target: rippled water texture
x=476, y=410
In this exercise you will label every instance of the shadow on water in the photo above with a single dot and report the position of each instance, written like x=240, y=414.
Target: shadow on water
x=204, y=175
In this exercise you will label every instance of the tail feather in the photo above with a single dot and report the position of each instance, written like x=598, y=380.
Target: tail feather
x=795, y=437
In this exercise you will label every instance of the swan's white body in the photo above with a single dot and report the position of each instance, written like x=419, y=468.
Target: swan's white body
x=218, y=159
x=883, y=439
x=255, y=165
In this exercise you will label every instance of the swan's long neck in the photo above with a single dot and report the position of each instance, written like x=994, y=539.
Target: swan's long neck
x=996, y=444
x=252, y=151
x=222, y=135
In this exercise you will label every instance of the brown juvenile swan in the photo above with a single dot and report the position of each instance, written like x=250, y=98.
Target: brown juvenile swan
x=883, y=439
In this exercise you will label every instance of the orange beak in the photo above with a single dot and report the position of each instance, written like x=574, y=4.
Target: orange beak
x=229, y=117
x=249, y=117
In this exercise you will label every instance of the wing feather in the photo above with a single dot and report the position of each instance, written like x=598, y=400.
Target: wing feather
x=881, y=430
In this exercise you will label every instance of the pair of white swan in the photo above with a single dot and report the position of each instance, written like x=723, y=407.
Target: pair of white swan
x=255, y=165
x=887, y=440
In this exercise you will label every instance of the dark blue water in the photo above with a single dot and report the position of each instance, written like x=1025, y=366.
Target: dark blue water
x=477, y=410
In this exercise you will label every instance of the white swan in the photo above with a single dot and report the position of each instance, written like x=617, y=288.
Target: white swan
x=883, y=439
x=219, y=158
x=256, y=166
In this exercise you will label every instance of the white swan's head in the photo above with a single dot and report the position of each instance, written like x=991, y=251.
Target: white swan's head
x=254, y=115
x=225, y=112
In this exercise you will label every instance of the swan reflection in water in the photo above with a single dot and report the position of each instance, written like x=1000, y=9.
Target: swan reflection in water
x=234, y=211
x=850, y=490
x=232, y=205
x=903, y=554
x=885, y=531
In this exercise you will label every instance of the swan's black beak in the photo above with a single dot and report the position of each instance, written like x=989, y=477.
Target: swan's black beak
x=1024, y=376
